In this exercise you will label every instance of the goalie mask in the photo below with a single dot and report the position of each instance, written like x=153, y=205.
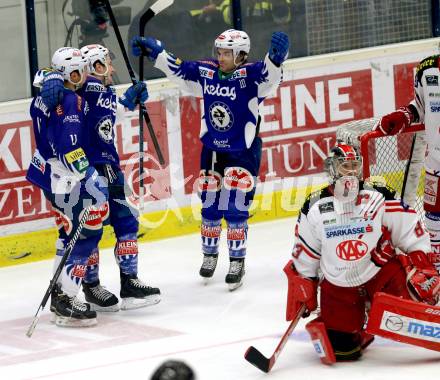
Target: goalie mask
x=344, y=166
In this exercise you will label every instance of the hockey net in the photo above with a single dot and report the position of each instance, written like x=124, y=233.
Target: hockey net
x=398, y=160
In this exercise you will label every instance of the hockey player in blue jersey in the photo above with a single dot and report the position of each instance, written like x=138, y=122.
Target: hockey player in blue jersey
x=231, y=89
x=62, y=169
x=101, y=98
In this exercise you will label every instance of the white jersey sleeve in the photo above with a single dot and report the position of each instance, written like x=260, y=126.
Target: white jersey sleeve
x=270, y=78
x=306, y=252
x=184, y=73
x=407, y=232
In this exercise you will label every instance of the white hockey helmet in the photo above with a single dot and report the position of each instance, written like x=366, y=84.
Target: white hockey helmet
x=96, y=54
x=236, y=40
x=66, y=60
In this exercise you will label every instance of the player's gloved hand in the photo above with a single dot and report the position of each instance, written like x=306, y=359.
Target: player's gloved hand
x=149, y=46
x=300, y=290
x=384, y=250
x=395, y=122
x=279, y=48
x=422, y=278
x=52, y=90
x=96, y=186
x=135, y=94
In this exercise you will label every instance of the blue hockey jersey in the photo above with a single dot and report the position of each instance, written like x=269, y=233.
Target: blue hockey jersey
x=60, y=140
x=230, y=116
x=100, y=121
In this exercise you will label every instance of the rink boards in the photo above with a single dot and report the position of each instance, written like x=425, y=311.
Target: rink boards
x=298, y=129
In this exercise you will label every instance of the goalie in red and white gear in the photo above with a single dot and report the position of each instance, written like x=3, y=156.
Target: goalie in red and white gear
x=425, y=108
x=350, y=231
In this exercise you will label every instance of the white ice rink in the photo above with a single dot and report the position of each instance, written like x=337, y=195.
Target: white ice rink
x=206, y=326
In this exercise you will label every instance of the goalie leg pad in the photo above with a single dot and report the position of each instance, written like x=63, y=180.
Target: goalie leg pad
x=405, y=321
x=321, y=341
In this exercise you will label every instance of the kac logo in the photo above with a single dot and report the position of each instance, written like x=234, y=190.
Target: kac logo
x=351, y=250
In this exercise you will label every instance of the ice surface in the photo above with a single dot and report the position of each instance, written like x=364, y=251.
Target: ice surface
x=208, y=327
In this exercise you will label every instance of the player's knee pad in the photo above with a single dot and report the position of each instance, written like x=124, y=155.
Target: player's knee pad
x=432, y=222
x=431, y=197
x=239, y=178
x=93, y=226
x=63, y=223
x=210, y=232
x=209, y=181
x=237, y=238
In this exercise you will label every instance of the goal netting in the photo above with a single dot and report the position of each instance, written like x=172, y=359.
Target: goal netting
x=396, y=159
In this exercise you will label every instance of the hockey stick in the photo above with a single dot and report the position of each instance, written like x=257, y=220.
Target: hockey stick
x=52, y=282
x=257, y=359
x=133, y=80
x=154, y=9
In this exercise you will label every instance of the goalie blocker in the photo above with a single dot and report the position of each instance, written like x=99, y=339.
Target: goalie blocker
x=405, y=321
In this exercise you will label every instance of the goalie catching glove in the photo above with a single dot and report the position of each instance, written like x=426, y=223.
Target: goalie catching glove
x=422, y=278
x=301, y=290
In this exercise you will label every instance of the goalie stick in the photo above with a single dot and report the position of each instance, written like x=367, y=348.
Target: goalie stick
x=158, y=6
x=257, y=359
x=60, y=267
x=154, y=9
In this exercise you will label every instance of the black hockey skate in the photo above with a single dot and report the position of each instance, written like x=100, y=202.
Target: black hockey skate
x=71, y=312
x=135, y=294
x=235, y=274
x=208, y=266
x=99, y=298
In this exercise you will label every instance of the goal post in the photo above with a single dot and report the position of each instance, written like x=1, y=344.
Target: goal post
x=398, y=159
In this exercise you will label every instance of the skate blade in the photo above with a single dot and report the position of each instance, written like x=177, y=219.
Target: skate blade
x=206, y=280
x=53, y=317
x=137, y=303
x=235, y=286
x=71, y=322
x=101, y=309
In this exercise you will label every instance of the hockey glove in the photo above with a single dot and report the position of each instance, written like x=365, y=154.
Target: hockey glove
x=150, y=47
x=384, y=250
x=135, y=94
x=396, y=121
x=96, y=186
x=52, y=90
x=279, y=48
x=422, y=278
x=300, y=290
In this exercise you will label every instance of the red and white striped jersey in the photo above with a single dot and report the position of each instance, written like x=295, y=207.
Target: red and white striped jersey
x=339, y=240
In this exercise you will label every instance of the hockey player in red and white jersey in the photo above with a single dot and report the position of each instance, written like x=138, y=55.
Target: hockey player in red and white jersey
x=425, y=108
x=348, y=232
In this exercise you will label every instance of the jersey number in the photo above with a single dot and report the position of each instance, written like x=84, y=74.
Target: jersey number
x=74, y=139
